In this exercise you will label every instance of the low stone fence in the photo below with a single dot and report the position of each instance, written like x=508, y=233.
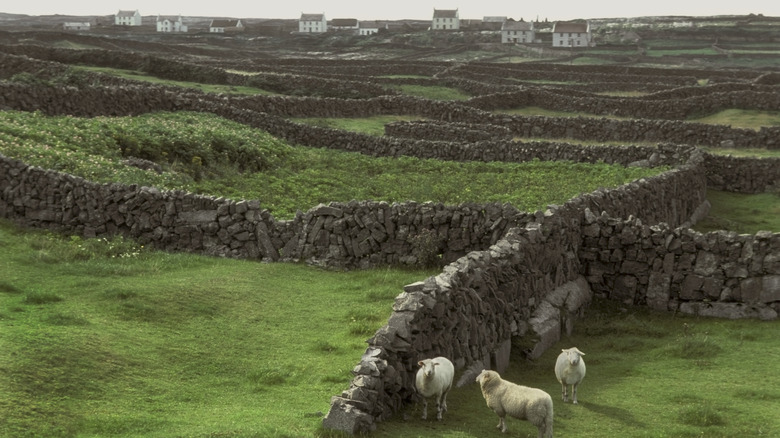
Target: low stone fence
x=719, y=273
x=742, y=174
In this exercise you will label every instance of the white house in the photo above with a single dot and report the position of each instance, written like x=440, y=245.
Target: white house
x=72, y=25
x=370, y=27
x=170, y=24
x=226, y=26
x=312, y=23
x=517, y=32
x=445, y=19
x=571, y=34
x=127, y=18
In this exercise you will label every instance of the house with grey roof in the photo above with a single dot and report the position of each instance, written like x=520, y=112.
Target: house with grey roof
x=312, y=23
x=226, y=26
x=513, y=32
x=348, y=24
x=128, y=18
x=445, y=19
x=571, y=34
x=170, y=24
x=371, y=27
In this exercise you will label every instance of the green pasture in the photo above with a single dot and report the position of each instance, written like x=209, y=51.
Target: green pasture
x=206, y=88
x=743, y=213
x=205, y=154
x=103, y=338
x=649, y=374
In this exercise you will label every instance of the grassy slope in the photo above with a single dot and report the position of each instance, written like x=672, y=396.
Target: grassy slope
x=742, y=213
x=649, y=375
x=159, y=345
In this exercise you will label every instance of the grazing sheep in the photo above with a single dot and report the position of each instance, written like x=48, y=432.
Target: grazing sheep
x=570, y=370
x=434, y=378
x=521, y=402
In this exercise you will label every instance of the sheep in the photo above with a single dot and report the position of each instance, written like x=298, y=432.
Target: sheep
x=570, y=370
x=521, y=402
x=434, y=378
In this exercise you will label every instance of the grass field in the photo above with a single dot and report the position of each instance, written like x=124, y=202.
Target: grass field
x=102, y=338
x=745, y=214
x=649, y=374
x=205, y=154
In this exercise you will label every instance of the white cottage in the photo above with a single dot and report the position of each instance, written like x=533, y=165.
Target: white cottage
x=370, y=27
x=571, y=34
x=445, y=19
x=128, y=18
x=170, y=24
x=513, y=32
x=226, y=26
x=312, y=23
x=76, y=26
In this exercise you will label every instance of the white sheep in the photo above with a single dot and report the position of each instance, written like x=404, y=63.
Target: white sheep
x=434, y=378
x=570, y=370
x=521, y=402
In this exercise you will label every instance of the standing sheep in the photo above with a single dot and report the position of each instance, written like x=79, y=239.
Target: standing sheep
x=521, y=402
x=570, y=370
x=434, y=378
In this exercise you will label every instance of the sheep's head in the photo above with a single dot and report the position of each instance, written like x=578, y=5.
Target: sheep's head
x=428, y=366
x=573, y=355
x=486, y=376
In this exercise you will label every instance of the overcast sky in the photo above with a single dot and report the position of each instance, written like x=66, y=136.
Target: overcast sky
x=397, y=9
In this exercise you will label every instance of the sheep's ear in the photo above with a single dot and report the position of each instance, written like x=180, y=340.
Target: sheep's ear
x=420, y=363
x=434, y=363
x=563, y=349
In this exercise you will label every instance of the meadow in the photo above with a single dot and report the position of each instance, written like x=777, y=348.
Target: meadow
x=205, y=154
x=103, y=337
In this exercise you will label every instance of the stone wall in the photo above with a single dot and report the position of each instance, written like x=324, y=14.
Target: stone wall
x=512, y=274
x=716, y=274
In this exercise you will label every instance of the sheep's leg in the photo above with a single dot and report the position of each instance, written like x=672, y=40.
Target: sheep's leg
x=439, y=407
x=444, y=399
x=574, y=392
x=501, y=424
x=425, y=408
x=564, y=392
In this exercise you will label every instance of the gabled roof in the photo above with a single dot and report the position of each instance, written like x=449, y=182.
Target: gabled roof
x=373, y=24
x=517, y=25
x=126, y=13
x=225, y=23
x=569, y=27
x=445, y=13
x=312, y=17
x=344, y=22
x=172, y=18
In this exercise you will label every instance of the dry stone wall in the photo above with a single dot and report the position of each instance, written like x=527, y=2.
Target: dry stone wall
x=715, y=274
x=513, y=275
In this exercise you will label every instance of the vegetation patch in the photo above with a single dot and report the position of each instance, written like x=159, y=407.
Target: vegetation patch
x=743, y=213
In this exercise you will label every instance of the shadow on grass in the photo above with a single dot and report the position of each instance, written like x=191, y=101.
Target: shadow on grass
x=623, y=415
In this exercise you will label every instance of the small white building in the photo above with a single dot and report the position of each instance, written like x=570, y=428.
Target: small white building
x=571, y=34
x=513, y=32
x=445, y=19
x=128, y=18
x=76, y=26
x=226, y=26
x=170, y=24
x=370, y=27
x=312, y=23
